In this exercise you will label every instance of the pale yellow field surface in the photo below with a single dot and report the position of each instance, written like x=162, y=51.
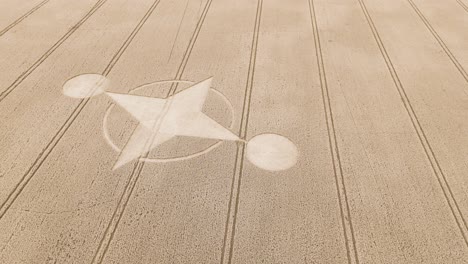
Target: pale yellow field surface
x=221, y=131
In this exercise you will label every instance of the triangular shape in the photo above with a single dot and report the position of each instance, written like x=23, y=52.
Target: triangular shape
x=138, y=144
x=142, y=108
x=193, y=98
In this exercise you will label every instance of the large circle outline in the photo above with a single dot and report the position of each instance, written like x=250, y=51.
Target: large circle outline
x=166, y=160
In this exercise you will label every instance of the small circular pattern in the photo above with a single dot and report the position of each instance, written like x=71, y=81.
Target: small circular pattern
x=85, y=85
x=272, y=152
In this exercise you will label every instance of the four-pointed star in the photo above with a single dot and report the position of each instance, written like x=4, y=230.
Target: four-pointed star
x=162, y=119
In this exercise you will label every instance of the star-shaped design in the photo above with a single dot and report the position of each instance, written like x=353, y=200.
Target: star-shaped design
x=162, y=119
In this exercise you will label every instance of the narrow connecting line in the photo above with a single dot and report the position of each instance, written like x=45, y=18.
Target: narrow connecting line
x=438, y=172
x=46, y=55
x=439, y=40
x=139, y=165
x=239, y=161
x=346, y=220
x=17, y=21
x=64, y=128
